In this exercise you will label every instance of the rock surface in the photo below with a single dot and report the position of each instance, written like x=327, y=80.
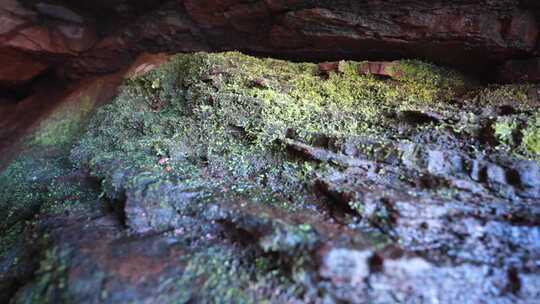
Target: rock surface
x=227, y=178
x=82, y=37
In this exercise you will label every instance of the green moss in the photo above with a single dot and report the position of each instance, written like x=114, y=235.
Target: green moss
x=519, y=134
x=25, y=183
x=504, y=130
x=10, y=237
x=224, y=279
x=37, y=182
x=429, y=82
x=64, y=125
x=51, y=280
x=496, y=95
x=531, y=136
x=290, y=239
x=225, y=116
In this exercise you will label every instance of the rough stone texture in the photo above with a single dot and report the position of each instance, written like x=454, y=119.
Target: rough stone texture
x=19, y=68
x=84, y=37
x=387, y=69
x=18, y=118
x=527, y=70
x=167, y=198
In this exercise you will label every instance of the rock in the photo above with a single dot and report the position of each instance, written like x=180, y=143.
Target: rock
x=354, y=27
x=342, y=265
x=19, y=69
x=20, y=117
x=58, y=12
x=241, y=188
x=386, y=69
x=526, y=70
x=145, y=63
x=528, y=175
x=146, y=208
x=495, y=174
x=17, y=267
x=417, y=117
x=326, y=67
x=476, y=35
x=128, y=269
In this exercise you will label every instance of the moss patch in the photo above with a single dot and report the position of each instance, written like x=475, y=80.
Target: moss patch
x=64, y=125
x=531, y=136
x=224, y=116
x=497, y=95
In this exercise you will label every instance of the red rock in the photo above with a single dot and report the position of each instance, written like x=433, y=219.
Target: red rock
x=58, y=12
x=327, y=67
x=209, y=13
x=62, y=40
x=145, y=63
x=18, y=68
x=66, y=33
x=475, y=34
x=381, y=68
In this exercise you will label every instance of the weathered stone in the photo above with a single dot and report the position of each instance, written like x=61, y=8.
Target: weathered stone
x=387, y=69
x=58, y=12
x=477, y=35
x=19, y=68
x=527, y=70
x=146, y=63
x=228, y=178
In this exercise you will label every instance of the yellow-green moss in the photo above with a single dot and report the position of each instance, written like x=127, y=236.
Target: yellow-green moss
x=228, y=113
x=504, y=130
x=64, y=125
x=428, y=82
x=531, y=136
x=496, y=95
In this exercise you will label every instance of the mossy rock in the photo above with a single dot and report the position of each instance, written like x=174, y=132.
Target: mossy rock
x=531, y=136
x=214, y=127
x=219, y=121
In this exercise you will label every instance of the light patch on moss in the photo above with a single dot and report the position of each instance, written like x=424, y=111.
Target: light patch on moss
x=221, y=276
x=531, y=136
x=429, y=82
x=64, y=125
x=504, y=130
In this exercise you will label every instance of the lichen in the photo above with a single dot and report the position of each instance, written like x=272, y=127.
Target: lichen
x=430, y=82
x=37, y=182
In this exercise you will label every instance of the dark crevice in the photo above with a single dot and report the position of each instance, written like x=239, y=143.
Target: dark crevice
x=117, y=207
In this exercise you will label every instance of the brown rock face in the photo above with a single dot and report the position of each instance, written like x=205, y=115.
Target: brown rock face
x=527, y=70
x=386, y=69
x=84, y=37
x=18, y=68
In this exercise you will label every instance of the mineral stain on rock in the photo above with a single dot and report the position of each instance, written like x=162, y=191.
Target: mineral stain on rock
x=225, y=178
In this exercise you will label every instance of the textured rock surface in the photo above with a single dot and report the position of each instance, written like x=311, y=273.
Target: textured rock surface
x=78, y=38
x=227, y=178
x=521, y=70
x=231, y=179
